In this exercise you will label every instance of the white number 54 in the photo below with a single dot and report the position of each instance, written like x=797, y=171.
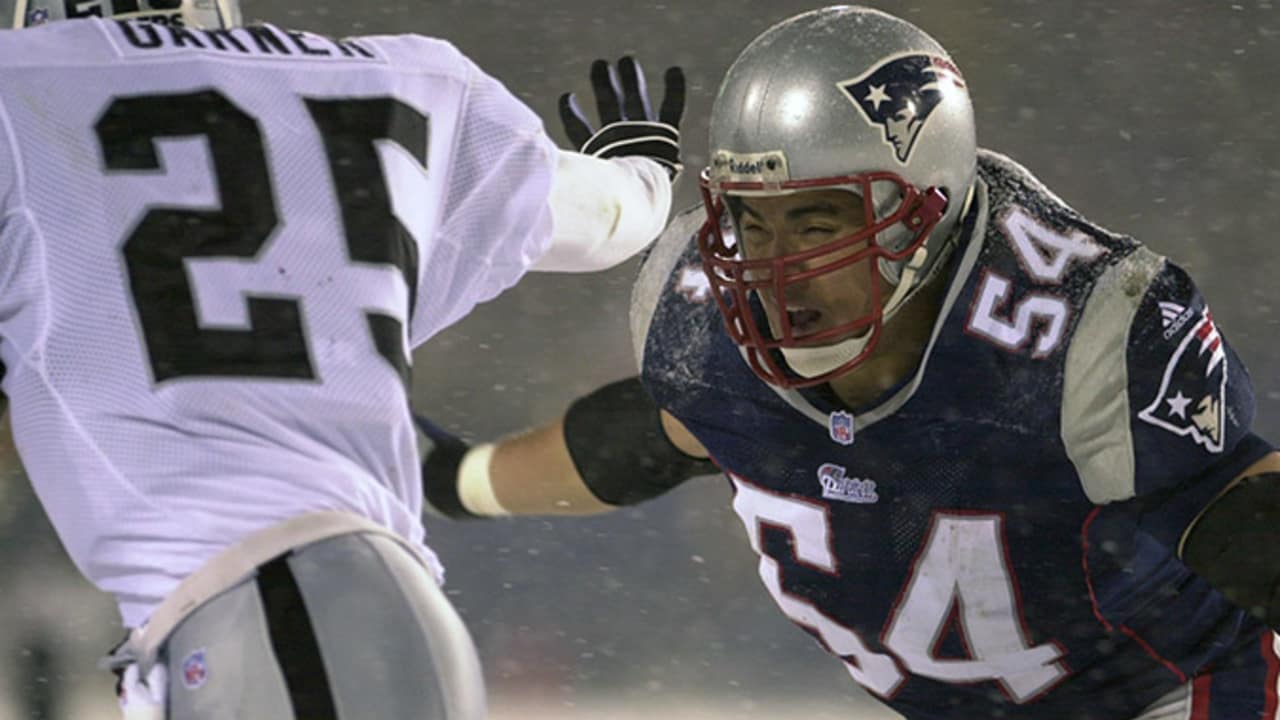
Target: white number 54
x=1045, y=255
x=962, y=569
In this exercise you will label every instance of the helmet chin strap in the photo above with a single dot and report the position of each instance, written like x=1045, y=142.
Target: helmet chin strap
x=810, y=362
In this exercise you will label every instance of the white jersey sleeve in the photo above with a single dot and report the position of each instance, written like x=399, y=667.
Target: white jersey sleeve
x=604, y=211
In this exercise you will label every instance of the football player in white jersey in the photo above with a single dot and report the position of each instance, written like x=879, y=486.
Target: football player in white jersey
x=219, y=246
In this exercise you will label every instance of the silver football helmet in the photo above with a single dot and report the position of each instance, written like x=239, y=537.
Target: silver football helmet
x=845, y=98
x=210, y=14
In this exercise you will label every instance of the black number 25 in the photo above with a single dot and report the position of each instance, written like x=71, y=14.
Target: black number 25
x=274, y=345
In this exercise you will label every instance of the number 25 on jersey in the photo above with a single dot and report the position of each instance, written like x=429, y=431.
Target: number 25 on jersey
x=274, y=345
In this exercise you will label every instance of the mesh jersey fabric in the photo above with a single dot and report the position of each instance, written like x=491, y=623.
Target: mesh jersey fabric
x=144, y=473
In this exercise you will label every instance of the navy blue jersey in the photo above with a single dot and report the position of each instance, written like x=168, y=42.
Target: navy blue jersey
x=997, y=537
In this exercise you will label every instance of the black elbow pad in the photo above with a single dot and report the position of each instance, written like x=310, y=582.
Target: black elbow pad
x=617, y=443
x=1235, y=545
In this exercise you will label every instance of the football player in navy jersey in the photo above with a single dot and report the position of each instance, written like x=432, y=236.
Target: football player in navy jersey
x=995, y=458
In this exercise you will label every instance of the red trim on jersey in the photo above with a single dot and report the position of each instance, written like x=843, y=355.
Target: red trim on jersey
x=1206, y=329
x=953, y=624
x=1200, y=697
x=1182, y=677
x=1084, y=563
x=736, y=482
x=1271, y=709
x=1097, y=612
x=803, y=500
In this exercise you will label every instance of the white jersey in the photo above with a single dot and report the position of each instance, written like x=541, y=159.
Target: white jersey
x=218, y=249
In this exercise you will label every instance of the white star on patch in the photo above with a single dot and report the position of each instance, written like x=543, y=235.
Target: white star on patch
x=1178, y=405
x=876, y=96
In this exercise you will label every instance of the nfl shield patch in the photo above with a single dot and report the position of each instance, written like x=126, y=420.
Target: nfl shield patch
x=195, y=671
x=37, y=16
x=841, y=427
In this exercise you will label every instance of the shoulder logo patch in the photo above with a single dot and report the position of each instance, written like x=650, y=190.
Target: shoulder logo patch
x=1192, y=397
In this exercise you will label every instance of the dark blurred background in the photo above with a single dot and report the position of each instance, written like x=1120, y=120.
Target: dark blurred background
x=1157, y=119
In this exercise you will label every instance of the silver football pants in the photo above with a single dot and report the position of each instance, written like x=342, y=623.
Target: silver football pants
x=350, y=626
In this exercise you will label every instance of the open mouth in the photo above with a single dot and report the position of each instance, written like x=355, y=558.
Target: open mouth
x=803, y=320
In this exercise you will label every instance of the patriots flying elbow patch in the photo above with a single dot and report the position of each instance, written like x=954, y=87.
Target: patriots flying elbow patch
x=1191, y=401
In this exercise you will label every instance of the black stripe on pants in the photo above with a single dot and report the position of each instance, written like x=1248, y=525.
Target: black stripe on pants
x=294, y=642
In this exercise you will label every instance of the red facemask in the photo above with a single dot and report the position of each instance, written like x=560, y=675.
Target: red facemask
x=733, y=279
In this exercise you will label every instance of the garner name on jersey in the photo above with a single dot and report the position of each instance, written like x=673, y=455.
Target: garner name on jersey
x=257, y=40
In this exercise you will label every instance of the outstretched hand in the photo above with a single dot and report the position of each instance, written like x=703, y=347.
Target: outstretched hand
x=628, y=125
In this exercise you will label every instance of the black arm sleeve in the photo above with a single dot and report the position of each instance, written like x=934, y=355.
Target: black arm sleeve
x=617, y=443
x=1235, y=545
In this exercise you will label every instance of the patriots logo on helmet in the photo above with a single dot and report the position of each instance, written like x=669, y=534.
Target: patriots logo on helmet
x=1192, y=397
x=900, y=93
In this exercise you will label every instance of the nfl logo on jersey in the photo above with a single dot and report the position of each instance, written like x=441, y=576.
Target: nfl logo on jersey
x=841, y=427
x=194, y=670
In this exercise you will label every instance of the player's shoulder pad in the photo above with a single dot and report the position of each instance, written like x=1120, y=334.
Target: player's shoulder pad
x=1039, y=243
x=419, y=54
x=1193, y=399
x=1104, y=278
x=1010, y=183
x=1096, y=414
x=656, y=267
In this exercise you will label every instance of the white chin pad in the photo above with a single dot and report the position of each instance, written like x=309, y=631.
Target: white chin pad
x=810, y=362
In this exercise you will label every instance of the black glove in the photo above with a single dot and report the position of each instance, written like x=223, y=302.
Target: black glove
x=440, y=469
x=628, y=126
